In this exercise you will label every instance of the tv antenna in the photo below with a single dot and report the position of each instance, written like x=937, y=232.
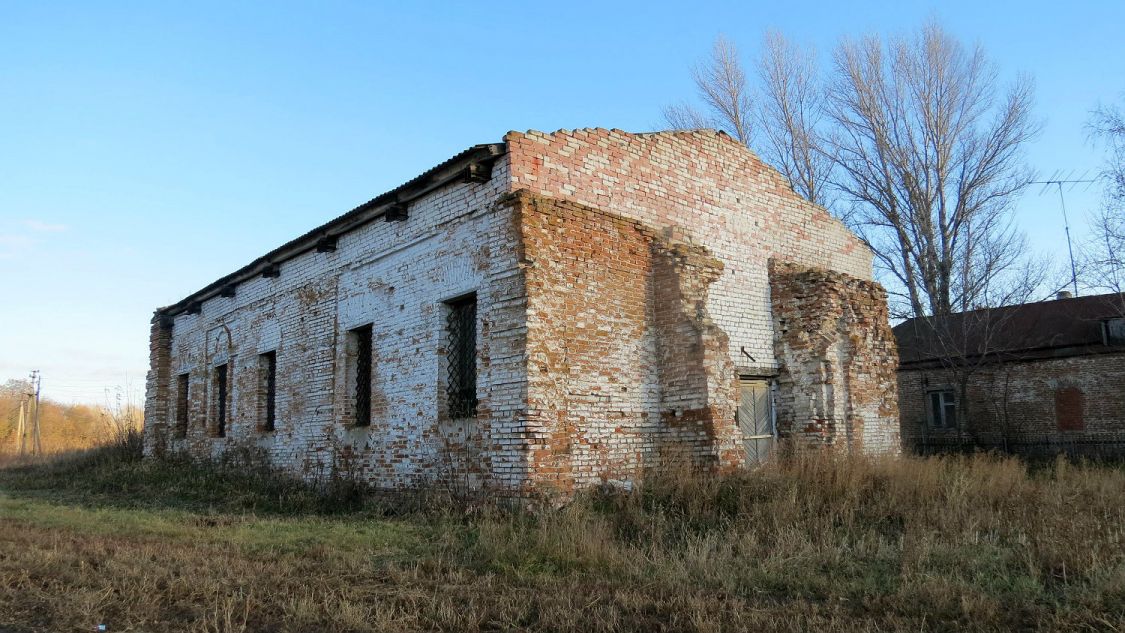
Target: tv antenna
x=1058, y=179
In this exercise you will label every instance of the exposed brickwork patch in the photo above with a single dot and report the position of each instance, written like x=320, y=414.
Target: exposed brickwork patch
x=834, y=340
x=626, y=368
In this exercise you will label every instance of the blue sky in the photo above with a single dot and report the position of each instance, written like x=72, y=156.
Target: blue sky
x=150, y=148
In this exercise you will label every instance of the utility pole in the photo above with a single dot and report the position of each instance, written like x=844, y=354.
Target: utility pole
x=20, y=428
x=37, y=379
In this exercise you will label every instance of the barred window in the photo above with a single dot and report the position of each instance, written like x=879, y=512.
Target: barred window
x=221, y=400
x=359, y=344
x=461, y=365
x=267, y=391
x=182, y=404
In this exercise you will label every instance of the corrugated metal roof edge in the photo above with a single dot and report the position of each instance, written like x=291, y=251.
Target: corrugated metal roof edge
x=357, y=217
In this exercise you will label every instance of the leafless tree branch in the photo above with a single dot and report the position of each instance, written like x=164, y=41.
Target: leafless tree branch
x=932, y=158
x=722, y=86
x=1104, y=255
x=791, y=117
x=907, y=139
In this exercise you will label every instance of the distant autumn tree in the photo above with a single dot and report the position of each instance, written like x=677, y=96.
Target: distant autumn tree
x=15, y=387
x=906, y=138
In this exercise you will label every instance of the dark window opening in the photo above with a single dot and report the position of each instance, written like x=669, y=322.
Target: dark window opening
x=221, y=401
x=943, y=409
x=1114, y=331
x=267, y=391
x=1068, y=409
x=461, y=331
x=361, y=340
x=182, y=404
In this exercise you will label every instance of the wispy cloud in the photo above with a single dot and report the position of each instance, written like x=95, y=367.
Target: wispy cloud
x=12, y=245
x=40, y=226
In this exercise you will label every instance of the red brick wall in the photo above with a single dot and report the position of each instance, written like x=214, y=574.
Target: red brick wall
x=158, y=387
x=1016, y=406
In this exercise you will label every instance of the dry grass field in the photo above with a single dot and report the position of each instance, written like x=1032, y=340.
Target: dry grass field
x=816, y=544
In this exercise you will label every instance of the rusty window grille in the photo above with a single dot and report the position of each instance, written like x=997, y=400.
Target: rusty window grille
x=221, y=401
x=361, y=338
x=182, y=404
x=461, y=333
x=267, y=391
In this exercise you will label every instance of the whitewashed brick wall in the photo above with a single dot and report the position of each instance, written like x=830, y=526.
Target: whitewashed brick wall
x=699, y=188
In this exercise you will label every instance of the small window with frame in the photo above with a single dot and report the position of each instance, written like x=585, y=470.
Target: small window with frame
x=1069, y=409
x=942, y=409
x=1113, y=331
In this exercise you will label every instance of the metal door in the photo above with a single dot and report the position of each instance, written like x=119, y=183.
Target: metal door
x=755, y=418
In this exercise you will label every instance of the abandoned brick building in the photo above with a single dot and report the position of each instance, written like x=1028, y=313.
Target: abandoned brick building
x=1036, y=379
x=540, y=314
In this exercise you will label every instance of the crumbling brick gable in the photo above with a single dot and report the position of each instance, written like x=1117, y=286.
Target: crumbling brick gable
x=838, y=359
x=705, y=183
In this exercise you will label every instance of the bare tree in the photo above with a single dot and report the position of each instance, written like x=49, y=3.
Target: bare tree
x=1106, y=253
x=722, y=87
x=921, y=152
x=789, y=114
x=932, y=159
x=791, y=117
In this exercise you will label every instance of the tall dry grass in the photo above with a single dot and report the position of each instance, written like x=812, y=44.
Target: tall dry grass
x=813, y=543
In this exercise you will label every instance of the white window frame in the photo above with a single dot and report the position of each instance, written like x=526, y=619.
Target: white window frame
x=948, y=397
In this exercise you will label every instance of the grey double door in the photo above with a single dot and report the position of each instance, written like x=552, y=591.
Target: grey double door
x=756, y=419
